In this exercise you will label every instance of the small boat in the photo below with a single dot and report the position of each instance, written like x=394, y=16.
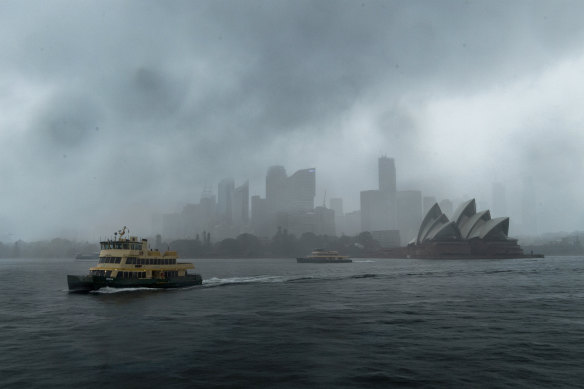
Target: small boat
x=130, y=263
x=324, y=256
x=85, y=257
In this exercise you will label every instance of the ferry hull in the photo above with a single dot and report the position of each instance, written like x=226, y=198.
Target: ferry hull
x=85, y=284
x=323, y=260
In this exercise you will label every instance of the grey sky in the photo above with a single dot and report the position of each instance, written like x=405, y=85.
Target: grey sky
x=114, y=110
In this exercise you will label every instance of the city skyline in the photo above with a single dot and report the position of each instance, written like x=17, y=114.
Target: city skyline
x=290, y=202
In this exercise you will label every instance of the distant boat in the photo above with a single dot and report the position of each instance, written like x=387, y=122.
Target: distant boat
x=324, y=256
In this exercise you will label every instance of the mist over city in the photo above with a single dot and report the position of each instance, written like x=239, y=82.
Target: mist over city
x=116, y=113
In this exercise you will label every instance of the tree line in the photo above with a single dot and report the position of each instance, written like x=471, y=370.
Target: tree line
x=281, y=245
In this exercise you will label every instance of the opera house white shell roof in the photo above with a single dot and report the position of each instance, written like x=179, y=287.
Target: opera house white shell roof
x=466, y=224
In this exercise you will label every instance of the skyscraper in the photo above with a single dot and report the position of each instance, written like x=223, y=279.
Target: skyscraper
x=336, y=204
x=276, y=189
x=301, y=189
x=388, y=186
x=225, y=200
x=240, y=213
x=387, y=175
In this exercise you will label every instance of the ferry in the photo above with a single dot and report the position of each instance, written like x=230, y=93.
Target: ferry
x=324, y=256
x=131, y=263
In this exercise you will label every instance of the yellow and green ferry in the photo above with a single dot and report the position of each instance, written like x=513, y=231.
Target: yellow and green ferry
x=130, y=263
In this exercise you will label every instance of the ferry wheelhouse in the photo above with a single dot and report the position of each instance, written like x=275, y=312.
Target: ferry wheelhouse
x=129, y=262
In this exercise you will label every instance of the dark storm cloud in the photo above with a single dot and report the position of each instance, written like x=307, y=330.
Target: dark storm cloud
x=159, y=94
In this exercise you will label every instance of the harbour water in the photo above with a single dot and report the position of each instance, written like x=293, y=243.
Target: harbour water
x=276, y=323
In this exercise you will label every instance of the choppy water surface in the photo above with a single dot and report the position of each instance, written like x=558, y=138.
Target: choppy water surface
x=276, y=323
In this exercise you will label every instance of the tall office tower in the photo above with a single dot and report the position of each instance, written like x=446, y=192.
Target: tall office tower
x=528, y=208
x=409, y=214
x=225, y=200
x=387, y=185
x=301, y=190
x=336, y=204
x=375, y=210
x=387, y=176
x=427, y=203
x=276, y=191
x=241, y=205
x=499, y=207
x=447, y=207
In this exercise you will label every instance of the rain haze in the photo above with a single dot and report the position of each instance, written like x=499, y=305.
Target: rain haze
x=115, y=111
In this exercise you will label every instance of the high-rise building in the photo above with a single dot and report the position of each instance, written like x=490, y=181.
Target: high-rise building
x=225, y=200
x=387, y=175
x=409, y=214
x=388, y=185
x=276, y=191
x=301, y=189
x=240, y=205
x=336, y=204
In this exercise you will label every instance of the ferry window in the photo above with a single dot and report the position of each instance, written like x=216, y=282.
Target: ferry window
x=118, y=260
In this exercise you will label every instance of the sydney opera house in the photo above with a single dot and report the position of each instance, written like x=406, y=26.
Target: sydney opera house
x=470, y=234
